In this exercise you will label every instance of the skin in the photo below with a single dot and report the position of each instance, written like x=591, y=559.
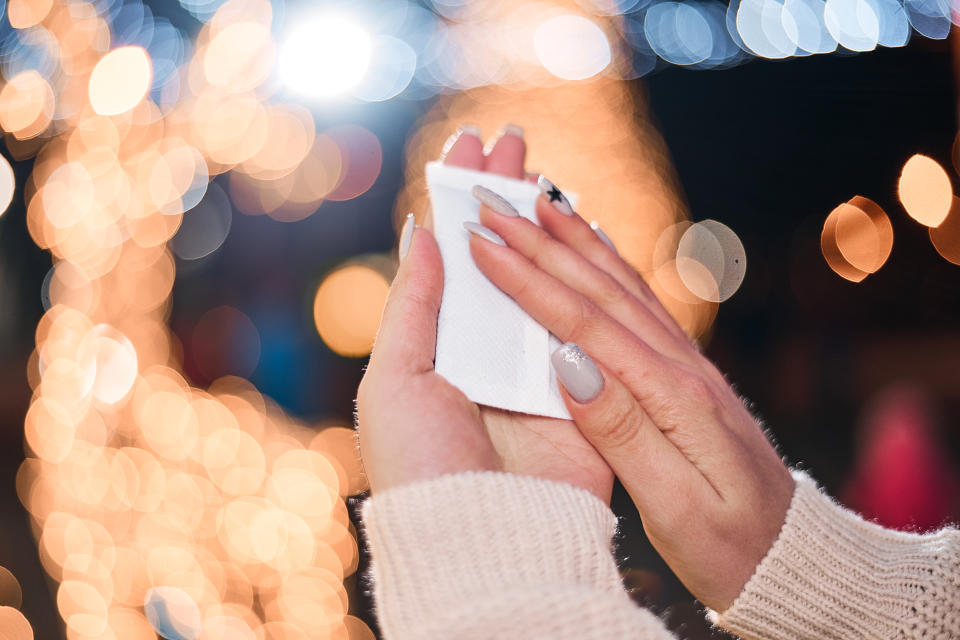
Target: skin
x=404, y=406
x=711, y=490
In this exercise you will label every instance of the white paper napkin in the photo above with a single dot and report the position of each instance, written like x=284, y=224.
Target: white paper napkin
x=487, y=346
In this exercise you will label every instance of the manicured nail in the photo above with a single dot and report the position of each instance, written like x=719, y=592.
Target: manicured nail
x=406, y=236
x=483, y=232
x=494, y=201
x=466, y=129
x=603, y=236
x=512, y=130
x=557, y=199
x=577, y=372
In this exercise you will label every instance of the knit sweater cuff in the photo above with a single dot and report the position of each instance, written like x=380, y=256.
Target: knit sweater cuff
x=495, y=532
x=830, y=574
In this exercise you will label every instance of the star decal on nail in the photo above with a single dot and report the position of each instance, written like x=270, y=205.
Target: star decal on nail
x=555, y=195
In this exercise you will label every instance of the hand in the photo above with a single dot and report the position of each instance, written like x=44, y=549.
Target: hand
x=413, y=424
x=710, y=488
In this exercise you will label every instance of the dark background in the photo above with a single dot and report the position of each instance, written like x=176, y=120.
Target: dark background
x=769, y=148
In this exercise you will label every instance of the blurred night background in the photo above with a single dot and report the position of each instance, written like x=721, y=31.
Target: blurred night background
x=189, y=352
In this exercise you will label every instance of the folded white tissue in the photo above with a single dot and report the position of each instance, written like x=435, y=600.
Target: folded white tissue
x=487, y=346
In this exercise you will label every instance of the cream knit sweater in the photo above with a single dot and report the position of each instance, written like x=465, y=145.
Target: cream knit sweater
x=494, y=555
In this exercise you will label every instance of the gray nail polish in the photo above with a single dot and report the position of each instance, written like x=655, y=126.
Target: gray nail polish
x=406, y=236
x=603, y=236
x=556, y=198
x=483, y=232
x=494, y=200
x=577, y=372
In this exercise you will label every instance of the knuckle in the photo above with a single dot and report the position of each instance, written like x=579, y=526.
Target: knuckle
x=611, y=293
x=520, y=291
x=618, y=425
x=539, y=246
x=587, y=321
x=696, y=388
x=568, y=320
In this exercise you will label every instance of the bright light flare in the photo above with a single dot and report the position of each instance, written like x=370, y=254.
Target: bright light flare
x=325, y=57
x=571, y=47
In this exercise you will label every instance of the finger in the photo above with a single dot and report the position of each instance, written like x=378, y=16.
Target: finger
x=508, y=153
x=464, y=149
x=556, y=216
x=575, y=271
x=677, y=396
x=571, y=316
x=650, y=467
x=407, y=338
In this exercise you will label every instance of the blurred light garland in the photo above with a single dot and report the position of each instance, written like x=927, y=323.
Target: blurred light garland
x=160, y=507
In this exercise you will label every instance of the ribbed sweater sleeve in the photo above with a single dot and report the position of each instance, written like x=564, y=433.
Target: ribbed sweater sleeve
x=832, y=575
x=496, y=555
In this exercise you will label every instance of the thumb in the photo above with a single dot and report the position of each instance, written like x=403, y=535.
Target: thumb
x=407, y=338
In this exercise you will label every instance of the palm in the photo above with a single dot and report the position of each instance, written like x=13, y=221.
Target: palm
x=547, y=448
x=463, y=434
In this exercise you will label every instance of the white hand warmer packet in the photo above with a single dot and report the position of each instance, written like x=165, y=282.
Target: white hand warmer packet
x=487, y=346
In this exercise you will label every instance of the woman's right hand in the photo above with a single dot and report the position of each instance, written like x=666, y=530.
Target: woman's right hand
x=711, y=490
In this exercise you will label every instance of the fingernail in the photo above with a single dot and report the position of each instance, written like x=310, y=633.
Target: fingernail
x=577, y=372
x=556, y=198
x=406, y=236
x=466, y=129
x=512, y=130
x=494, y=201
x=483, y=232
x=603, y=236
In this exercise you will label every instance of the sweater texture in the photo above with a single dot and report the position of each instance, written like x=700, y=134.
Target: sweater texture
x=497, y=555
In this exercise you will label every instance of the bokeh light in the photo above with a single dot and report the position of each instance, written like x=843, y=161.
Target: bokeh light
x=946, y=236
x=853, y=23
x=13, y=625
x=8, y=184
x=572, y=47
x=679, y=33
x=325, y=56
x=857, y=238
x=11, y=594
x=205, y=227
x=711, y=260
x=26, y=105
x=347, y=308
x=120, y=80
x=161, y=507
x=925, y=190
x=393, y=63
